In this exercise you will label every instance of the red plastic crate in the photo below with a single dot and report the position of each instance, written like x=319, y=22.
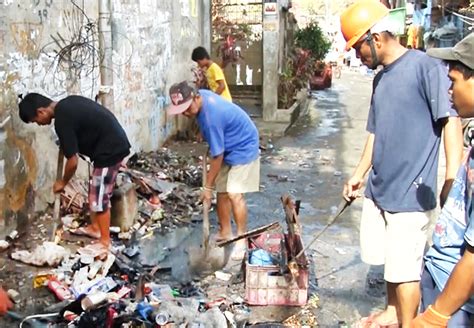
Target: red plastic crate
x=264, y=285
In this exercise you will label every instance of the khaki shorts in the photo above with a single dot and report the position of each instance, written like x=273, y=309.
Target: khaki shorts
x=239, y=179
x=397, y=240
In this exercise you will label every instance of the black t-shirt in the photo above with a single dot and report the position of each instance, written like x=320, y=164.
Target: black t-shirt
x=84, y=126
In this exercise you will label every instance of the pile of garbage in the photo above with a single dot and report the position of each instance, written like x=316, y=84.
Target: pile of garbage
x=133, y=284
x=156, y=191
x=93, y=290
x=168, y=165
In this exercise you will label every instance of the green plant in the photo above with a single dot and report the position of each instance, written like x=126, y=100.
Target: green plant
x=313, y=39
x=295, y=76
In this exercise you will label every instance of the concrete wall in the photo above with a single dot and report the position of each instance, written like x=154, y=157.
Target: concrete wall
x=152, y=43
x=271, y=53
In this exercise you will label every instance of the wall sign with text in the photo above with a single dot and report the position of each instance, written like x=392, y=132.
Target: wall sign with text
x=270, y=7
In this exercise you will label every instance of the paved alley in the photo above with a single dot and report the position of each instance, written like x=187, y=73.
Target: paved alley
x=312, y=163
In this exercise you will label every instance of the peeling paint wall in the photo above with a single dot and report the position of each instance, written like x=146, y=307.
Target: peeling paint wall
x=152, y=43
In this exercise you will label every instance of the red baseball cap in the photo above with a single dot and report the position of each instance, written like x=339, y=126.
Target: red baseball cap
x=181, y=95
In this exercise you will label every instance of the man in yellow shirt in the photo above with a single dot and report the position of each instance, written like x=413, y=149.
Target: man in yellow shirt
x=215, y=75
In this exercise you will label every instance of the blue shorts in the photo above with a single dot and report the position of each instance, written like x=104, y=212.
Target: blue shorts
x=429, y=293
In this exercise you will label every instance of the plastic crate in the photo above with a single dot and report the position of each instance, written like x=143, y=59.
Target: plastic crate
x=265, y=285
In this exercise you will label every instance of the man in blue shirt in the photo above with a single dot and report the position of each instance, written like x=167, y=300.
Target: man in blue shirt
x=409, y=111
x=235, y=158
x=447, y=283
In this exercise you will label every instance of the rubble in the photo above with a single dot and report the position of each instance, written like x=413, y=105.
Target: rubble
x=134, y=284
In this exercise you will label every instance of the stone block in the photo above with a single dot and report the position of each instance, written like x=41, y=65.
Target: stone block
x=124, y=209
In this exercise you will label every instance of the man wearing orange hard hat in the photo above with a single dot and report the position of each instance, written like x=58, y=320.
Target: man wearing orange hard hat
x=409, y=110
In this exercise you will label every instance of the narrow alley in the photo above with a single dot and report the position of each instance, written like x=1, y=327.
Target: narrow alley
x=181, y=164
x=314, y=159
x=310, y=164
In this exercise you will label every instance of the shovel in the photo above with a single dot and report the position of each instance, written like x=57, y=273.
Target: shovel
x=57, y=196
x=293, y=265
x=205, y=208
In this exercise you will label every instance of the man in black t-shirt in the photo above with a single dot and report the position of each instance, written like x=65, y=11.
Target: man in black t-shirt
x=84, y=127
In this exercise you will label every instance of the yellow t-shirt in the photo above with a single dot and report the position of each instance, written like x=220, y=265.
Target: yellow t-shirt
x=214, y=73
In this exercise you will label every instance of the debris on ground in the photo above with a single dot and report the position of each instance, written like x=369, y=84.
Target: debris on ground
x=134, y=284
x=46, y=254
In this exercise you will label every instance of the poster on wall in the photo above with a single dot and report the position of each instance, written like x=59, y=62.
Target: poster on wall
x=270, y=8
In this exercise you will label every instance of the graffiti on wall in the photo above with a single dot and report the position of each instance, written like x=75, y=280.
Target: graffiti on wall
x=27, y=37
x=42, y=8
x=140, y=84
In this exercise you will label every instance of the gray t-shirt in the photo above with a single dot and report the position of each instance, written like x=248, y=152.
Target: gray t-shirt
x=409, y=98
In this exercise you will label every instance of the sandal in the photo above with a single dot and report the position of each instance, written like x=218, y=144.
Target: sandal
x=82, y=231
x=219, y=239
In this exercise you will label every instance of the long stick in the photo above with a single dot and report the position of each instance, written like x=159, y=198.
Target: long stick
x=205, y=208
x=340, y=209
x=57, y=196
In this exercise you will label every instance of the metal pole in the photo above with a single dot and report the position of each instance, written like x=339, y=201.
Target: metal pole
x=106, y=91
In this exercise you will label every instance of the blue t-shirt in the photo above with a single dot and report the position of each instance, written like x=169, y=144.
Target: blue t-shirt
x=228, y=130
x=454, y=228
x=409, y=98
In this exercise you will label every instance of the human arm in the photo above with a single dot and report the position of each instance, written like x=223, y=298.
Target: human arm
x=458, y=289
x=220, y=87
x=218, y=76
x=353, y=185
x=215, y=166
x=453, y=147
x=5, y=303
x=69, y=170
x=460, y=285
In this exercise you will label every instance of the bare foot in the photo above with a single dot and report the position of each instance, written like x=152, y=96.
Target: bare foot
x=386, y=317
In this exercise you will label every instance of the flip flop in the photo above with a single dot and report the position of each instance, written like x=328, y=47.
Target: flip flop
x=218, y=239
x=81, y=231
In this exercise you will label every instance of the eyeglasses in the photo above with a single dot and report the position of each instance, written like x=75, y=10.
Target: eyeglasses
x=359, y=43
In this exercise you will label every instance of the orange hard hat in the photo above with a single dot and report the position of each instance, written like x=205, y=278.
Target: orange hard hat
x=359, y=18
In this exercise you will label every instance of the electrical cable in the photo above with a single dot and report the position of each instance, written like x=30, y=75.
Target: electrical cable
x=79, y=55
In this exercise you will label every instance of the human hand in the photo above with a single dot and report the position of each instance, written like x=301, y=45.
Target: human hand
x=206, y=196
x=58, y=186
x=443, y=196
x=352, y=188
x=430, y=319
x=5, y=303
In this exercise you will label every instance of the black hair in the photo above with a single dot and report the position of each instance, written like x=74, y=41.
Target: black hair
x=466, y=72
x=200, y=53
x=30, y=104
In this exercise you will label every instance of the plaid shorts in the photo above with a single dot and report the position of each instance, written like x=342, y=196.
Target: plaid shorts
x=101, y=186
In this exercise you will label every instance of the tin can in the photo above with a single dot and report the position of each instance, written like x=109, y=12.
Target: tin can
x=162, y=318
x=12, y=236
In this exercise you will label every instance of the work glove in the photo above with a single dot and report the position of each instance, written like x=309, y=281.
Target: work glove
x=430, y=319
